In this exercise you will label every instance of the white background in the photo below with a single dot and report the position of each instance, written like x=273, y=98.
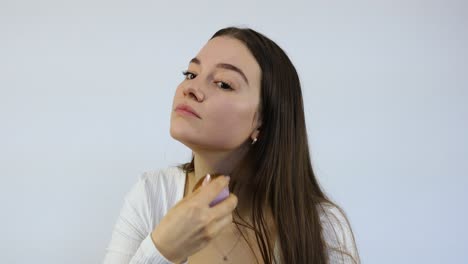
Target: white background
x=86, y=91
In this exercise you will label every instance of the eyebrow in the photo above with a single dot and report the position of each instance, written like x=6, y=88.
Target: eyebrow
x=226, y=66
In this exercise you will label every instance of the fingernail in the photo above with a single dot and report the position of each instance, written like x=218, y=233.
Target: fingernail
x=228, y=178
x=207, y=179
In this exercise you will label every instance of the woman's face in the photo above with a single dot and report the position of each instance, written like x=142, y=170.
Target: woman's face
x=222, y=85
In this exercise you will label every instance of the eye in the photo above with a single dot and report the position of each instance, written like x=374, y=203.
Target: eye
x=188, y=75
x=224, y=85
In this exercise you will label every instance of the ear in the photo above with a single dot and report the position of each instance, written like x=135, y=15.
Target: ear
x=255, y=133
x=258, y=125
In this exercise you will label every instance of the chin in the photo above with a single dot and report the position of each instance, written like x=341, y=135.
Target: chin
x=182, y=136
x=195, y=141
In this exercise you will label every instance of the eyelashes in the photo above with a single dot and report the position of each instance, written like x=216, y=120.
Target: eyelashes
x=187, y=73
x=221, y=84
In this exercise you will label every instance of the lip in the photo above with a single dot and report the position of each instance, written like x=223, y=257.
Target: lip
x=184, y=108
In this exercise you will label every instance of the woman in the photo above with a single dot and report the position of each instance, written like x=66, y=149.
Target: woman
x=240, y=110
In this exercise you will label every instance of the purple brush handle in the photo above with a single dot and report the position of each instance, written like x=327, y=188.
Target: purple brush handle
x=221, y=196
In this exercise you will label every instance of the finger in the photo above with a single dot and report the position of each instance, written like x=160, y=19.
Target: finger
x=202, y=182
x=225, y=207
x=209, y=192
x=191, y=194
x=196, y=189
x=217, y=226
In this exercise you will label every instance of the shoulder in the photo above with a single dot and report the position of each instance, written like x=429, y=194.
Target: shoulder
x=338, y=235
x=158, y=189
x=163, y=183
x=147, y=201
x=168, y=177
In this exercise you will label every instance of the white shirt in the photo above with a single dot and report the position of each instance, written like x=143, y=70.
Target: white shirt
x=156, y=192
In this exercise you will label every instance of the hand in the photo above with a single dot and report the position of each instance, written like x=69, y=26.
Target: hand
x=191, y=224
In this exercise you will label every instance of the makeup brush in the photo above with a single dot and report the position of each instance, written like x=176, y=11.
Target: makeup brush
x=204, y=181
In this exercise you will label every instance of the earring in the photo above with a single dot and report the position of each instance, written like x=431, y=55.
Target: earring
x=254, y=140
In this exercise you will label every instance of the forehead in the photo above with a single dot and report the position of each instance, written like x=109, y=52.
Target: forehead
x=231, y=51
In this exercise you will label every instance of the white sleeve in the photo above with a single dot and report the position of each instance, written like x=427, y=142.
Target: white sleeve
x=131, y=241
x=339, y=239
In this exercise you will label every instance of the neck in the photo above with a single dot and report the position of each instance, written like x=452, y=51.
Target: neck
x=215, y=162
x=223, y=163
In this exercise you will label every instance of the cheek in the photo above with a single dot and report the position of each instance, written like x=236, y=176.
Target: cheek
x=233, y=120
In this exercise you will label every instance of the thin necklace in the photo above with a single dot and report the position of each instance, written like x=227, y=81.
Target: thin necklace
x=225, y=256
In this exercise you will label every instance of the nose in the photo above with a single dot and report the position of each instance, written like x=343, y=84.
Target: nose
x=192, y=91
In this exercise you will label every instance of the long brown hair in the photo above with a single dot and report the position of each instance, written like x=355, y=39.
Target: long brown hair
x=277, y=169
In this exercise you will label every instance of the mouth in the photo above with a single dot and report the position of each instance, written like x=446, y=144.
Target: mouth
x=186, y=110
